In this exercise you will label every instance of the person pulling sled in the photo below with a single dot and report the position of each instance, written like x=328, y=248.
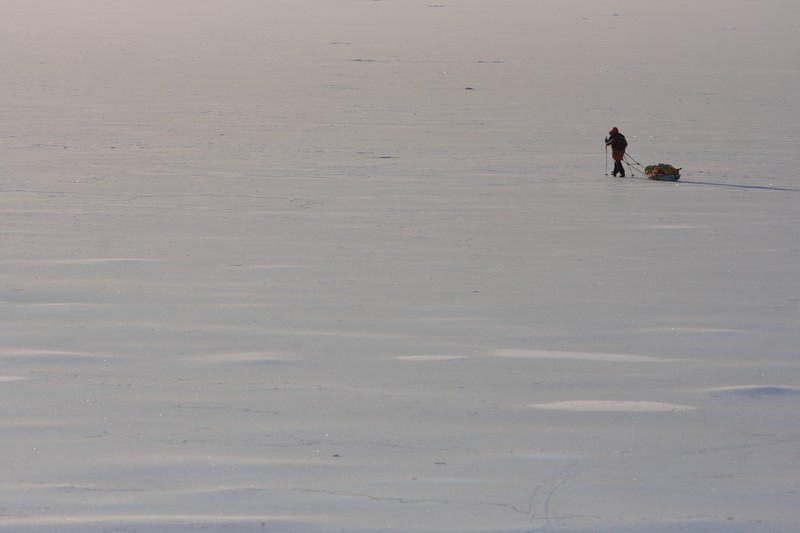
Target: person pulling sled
x=617, y=142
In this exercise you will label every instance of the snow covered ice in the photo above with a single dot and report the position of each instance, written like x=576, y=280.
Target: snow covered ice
x=270, y=265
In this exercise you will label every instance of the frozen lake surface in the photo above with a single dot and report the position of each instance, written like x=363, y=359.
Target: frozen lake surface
x=344, y=265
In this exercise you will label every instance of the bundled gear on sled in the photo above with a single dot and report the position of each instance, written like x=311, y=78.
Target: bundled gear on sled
x=659, y=172
x=662, y=172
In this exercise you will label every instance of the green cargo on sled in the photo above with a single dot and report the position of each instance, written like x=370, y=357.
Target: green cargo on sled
x=663, y=172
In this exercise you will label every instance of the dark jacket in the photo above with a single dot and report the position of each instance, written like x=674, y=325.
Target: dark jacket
x=617, y=142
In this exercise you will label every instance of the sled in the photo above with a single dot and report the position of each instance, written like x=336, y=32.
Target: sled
x=664, y=177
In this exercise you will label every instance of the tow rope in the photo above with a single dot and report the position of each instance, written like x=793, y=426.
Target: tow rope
x=631, y=162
